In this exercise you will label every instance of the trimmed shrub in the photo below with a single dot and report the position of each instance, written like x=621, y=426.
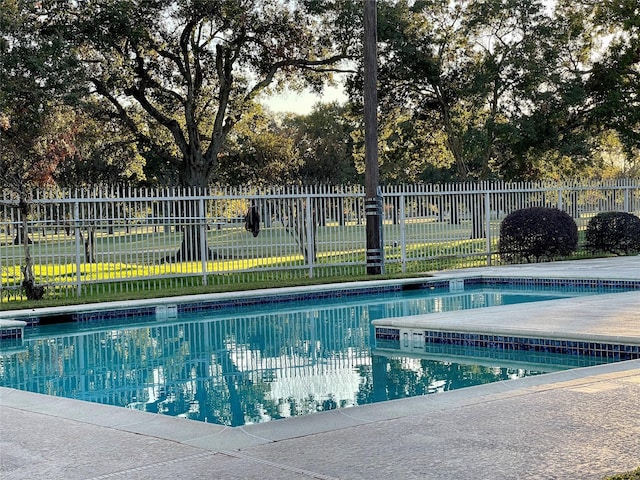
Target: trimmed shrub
x=537, y=233
x=613, y=232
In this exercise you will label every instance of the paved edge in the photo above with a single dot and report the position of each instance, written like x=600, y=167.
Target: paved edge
x=219, y=438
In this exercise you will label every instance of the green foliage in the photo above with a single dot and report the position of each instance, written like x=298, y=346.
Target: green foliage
x=49, y=135
x=311, y=149
x=614, y=232
x=614, y=85
x=34, y=73
x=537, y=233
x=611, y=158
x=519, y=88
x=632, y=475
x=259, y=151
x=35, y=69
x=324, y=144
x=180, y=76
x=515, y=89
x=473, y=70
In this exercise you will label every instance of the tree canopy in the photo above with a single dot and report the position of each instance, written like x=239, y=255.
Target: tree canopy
x=33, y=83
x=516, y=89
x=181, y=74
x=169, y=91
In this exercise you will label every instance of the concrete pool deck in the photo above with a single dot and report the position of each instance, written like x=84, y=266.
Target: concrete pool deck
x=579, y=424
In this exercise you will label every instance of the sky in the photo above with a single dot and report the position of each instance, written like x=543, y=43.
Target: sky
x=302, y=103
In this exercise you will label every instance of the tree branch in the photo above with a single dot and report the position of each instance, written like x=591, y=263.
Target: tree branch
x=300, y=63
x=148, y=81
x=101, y=89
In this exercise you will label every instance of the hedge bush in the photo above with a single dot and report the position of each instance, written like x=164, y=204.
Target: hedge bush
x=536, y=233
x=613, y=232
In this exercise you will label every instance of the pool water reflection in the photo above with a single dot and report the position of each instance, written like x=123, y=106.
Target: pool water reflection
x=252, y=364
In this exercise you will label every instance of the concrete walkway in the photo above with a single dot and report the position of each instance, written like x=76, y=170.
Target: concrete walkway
x=578, y=424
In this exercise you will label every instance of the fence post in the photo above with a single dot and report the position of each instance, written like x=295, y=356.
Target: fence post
x=627, y=207
x=560, y=206
x=76, y=222
x=403, y=238
x=487, y=216
x=310, y=229
x=204, y=246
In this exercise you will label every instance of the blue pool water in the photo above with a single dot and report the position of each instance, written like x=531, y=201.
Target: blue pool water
x=260, y=362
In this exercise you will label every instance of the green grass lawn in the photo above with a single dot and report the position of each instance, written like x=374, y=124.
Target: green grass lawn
x=130, y=262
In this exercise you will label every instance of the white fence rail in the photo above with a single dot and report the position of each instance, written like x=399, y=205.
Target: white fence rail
x=107, y=240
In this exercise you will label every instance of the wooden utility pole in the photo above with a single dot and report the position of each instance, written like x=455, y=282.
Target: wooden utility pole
x=373, y=200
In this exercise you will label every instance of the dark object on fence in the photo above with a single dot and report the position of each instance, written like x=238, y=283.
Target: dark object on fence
x=252, y=221
x=18, y=240
x=613, y=232
x=536, y=233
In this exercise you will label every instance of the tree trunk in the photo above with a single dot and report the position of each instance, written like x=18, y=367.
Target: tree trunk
x=477, y=230
x=189, y=220
x=89, y=242
x=295, y=223
x=454, y=218
x=191, y=248
x=32, y=291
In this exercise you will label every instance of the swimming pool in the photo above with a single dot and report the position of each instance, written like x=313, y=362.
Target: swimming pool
x=258, y=359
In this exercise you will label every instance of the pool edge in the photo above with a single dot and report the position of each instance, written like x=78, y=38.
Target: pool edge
x=218, y=438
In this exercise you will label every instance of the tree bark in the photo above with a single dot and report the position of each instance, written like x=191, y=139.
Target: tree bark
x=32, y=291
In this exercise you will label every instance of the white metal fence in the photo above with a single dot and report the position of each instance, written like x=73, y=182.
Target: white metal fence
x=109, y=240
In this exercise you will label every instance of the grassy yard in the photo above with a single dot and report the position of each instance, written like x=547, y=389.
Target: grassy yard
x=132, y=262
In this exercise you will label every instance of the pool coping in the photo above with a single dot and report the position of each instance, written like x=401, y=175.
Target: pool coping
x=204, y=298
x=221, y=300
x=441, y=321
x=220, y=438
